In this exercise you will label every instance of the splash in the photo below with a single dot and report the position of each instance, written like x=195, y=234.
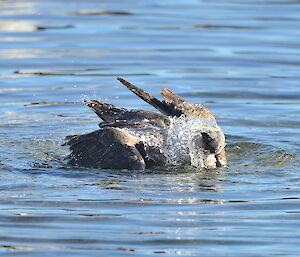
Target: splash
x=184, y=141
x=152, y=136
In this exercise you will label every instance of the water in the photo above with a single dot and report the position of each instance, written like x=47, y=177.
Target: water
x=184, y=142
x=240, y=58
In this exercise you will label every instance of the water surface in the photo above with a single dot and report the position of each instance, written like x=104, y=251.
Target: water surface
x=240, y=58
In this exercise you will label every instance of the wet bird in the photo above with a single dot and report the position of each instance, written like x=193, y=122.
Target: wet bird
x=182, y=133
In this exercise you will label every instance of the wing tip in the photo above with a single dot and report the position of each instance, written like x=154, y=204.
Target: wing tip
x=132, y=87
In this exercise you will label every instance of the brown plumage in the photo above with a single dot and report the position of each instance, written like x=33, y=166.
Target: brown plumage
x=119, y=143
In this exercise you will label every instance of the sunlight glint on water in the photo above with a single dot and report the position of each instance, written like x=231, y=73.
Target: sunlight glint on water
x=239, y=58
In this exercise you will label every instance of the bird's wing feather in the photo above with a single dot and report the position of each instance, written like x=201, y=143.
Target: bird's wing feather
x=172, y=105
x=179, y=106
x=113, y=116
x=145, y=96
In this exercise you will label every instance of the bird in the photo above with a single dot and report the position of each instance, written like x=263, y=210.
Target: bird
x=181, y=133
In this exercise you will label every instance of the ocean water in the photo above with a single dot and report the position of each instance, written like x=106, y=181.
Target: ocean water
x=239, y=58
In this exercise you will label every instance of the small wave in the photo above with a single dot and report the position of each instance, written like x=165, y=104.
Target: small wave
x=249, y=154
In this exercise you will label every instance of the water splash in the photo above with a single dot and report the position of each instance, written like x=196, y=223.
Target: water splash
x=184, y=143
x=152, y=136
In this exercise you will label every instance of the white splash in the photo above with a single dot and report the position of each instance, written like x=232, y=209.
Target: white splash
x=184, y=140
x=152, y=136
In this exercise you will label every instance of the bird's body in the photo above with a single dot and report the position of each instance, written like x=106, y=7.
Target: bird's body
x=181, y=134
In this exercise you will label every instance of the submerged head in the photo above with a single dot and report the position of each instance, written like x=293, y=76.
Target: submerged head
x=207, y=148
x=199, y=142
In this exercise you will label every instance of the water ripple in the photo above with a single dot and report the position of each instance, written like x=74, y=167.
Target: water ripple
x=240, y=58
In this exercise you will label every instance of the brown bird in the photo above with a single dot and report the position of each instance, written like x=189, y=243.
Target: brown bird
x=182, y=133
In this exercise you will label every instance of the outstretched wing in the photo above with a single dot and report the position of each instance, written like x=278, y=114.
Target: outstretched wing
x=172, y=105
x=162, y=107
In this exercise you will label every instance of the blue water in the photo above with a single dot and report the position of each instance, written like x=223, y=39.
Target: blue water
x=240, y=58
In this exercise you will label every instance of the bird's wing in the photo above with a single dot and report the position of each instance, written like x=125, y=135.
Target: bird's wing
x=172, y=105
x=180, y=106
x=113, y=116
x=108, y=148
x=145, y=96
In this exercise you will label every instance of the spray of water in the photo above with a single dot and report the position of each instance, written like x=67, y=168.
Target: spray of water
x=184, y=143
